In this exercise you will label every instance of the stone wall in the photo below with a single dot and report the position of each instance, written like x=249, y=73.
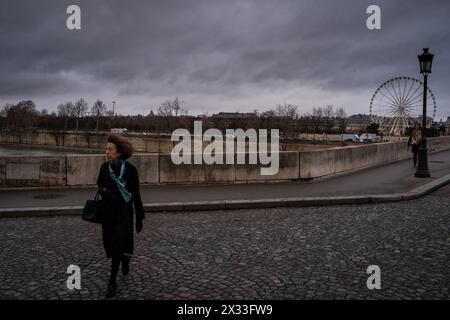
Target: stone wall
x=91, y=140
x=82, y=170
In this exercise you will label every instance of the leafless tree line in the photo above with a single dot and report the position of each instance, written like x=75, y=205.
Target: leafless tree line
x=170, y=116
x=80, y=109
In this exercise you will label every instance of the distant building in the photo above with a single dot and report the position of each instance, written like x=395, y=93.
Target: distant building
x=446, y=124
x=234, y=115
x=357, y=123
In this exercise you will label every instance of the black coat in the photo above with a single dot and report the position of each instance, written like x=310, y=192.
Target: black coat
x=118, y=226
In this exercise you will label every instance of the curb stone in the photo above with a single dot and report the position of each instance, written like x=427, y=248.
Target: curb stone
x=242, y=204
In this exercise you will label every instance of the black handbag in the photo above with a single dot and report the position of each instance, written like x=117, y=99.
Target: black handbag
x=92, y=210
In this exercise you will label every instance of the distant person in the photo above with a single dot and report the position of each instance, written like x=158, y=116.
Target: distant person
x=118, y=184
x=414, y=141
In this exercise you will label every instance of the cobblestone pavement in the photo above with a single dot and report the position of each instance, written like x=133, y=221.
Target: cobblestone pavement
x=285, y=253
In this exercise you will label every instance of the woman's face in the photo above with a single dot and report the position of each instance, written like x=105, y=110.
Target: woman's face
x=111, y=152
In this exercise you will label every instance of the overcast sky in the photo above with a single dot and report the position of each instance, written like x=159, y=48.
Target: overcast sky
x=222, y=55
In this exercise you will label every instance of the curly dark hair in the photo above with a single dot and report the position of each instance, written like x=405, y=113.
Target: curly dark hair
x=123, y=146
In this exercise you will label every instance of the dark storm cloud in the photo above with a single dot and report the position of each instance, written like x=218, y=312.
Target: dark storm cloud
x=139, y=48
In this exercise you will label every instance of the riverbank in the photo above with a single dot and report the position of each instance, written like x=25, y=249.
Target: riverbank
x=9, y=149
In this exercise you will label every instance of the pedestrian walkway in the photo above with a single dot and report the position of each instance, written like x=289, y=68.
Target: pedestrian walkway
x=251, y=254
x=390, y=179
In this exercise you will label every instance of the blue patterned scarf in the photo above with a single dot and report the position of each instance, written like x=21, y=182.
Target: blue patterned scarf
x=120, y=182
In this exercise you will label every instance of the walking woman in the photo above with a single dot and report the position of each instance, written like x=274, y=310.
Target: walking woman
x=414, y=141
x=118, y=184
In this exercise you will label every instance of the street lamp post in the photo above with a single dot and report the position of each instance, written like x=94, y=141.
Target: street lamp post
x=425, y=61
x=114, y=114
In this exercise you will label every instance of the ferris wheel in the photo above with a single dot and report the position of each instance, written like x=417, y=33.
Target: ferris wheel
x=398, y=103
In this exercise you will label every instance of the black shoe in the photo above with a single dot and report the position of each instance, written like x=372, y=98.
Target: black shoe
x=111, y=291
x=126, y=265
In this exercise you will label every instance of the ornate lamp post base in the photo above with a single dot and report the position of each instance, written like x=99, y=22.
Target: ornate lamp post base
x=422, y=166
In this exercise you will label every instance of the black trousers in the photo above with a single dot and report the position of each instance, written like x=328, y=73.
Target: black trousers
x=415, y=151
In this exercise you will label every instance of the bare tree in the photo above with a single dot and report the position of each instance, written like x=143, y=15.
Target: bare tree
x=5, y=109
x=340, y=113
x=21, y=115
x=287, y=114
x=4, y=115
x=287, y=111
x=317, y=112
x=307, y=123
x=341, y=116
x=66, y=110
x=172, y=108
x=80, y=109
x=328, y=111
x=328, y=114
x=98, y=110
x=317, y=116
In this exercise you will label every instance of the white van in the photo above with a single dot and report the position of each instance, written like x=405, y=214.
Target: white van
x=369, y=138
x=119, y=130
x=350, y=137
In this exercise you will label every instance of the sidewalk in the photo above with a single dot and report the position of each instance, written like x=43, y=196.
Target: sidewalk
x=391, y=182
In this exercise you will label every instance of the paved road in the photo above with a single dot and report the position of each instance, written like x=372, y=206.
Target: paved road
x=284, y=253
x=387, y=179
